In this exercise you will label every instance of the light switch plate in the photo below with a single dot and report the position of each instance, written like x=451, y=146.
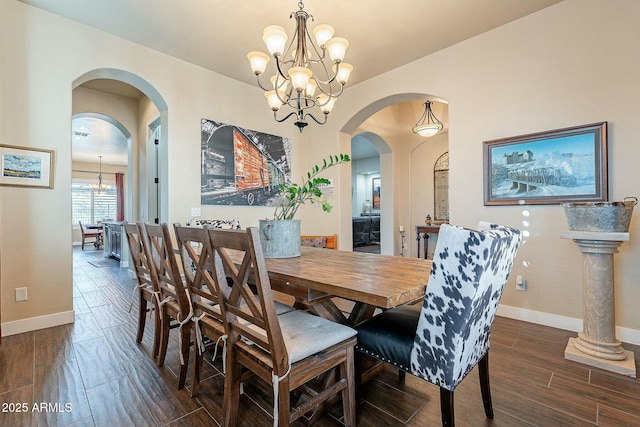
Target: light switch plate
x=196, y=212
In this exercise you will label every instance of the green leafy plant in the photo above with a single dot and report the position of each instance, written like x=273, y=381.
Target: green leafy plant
x=293, y=195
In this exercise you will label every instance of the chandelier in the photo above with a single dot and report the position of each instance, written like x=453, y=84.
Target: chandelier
x=100, y=189
x=302, y=69
x=428, y=125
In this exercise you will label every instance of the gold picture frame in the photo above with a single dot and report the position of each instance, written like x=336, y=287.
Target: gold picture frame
x=26, y=166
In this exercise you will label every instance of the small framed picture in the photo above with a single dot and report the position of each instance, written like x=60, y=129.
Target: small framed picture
x=375, y=191
x=26, y=167
x=564, y=165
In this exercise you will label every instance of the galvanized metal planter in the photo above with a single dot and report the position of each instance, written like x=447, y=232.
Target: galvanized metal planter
x=600, y=216
x=280, y=238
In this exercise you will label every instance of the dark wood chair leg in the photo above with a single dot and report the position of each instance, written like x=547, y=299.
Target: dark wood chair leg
x=156, y=331
x=347, y=370
x=142, y=316
x=483, y=371
x=284, y=403
x=232, y=390
x=446, y=408
x=185, y=336
x=195, y=375
x=164, y=339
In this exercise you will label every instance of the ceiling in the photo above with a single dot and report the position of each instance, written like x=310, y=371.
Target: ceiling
x=217, y=34
x=93, y=137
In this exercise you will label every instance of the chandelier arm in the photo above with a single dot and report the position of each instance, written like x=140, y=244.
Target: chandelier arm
x=278, y=66
x=260, y=84
x=293, y=113
x=286, y=98
x=322, y=55
x=331, y=93
x=331, y=79
x=316, y=120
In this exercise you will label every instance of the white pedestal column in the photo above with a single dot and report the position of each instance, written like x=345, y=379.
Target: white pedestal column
x=597, y=345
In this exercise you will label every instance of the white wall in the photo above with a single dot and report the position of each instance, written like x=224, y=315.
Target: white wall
x=46, y=55
x=570, y=64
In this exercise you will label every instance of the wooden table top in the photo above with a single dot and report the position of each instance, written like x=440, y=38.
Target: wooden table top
x=379, y=280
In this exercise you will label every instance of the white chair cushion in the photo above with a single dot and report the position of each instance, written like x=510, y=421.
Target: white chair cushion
x=305, y=334
x=280, y=308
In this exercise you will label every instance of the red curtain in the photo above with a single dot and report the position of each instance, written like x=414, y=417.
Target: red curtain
x=120, y=196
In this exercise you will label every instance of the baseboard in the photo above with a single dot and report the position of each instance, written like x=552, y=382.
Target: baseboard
x=35, y=323
x=626, y=335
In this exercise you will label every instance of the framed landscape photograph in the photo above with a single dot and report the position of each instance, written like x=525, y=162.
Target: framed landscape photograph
x=26, y=167
x=564, y=165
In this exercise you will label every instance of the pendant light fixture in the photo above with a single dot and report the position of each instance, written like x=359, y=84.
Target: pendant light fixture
x=428, y=125
x=100, y=189
x=302, y=69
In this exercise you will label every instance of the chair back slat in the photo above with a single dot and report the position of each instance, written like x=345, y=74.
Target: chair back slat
x=164, y=266
x=468, y=275
x=195, y=252
x=250, y=315
x=135, y=233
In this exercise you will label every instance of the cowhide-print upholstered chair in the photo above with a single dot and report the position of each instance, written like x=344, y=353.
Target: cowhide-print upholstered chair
x=445, y=338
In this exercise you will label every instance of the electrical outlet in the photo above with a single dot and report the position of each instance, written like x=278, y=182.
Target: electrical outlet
x=195, y=212
x=21, y=294
x=521, y=283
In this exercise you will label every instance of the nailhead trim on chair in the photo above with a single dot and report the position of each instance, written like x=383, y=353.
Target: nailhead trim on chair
x=377, y=356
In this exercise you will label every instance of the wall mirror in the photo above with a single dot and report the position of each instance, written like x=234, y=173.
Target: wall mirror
x=441, y=188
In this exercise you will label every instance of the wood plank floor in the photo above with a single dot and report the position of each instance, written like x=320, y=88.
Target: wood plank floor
x=92, y=373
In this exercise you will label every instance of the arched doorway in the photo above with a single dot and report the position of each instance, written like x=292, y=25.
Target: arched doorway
x=148, y=154
x=367, y=195
x=391, y=120
x=99, y=153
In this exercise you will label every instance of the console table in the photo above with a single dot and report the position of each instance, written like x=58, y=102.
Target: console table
x=422, y=234
x=597, y=345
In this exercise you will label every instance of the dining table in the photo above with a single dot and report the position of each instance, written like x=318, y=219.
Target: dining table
x=319, y=278
x=370, y=281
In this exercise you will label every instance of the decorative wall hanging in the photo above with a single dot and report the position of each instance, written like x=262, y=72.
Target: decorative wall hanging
x=241, y=166
x=26, y=167
x=441, y=188
x=375, y=192
x=547, y=167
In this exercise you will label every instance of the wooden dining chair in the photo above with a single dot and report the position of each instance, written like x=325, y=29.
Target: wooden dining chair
x=146, y=291
x=95, y=234
x=195, y=252
x=173, y=301
x=445, y=338
x=287, y=351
